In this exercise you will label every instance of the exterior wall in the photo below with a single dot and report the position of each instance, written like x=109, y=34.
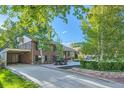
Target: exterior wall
x=47, y=56
x=12, y=58
x=35, y=51
x=25, y=58
x=70, y=55
x=67, y=55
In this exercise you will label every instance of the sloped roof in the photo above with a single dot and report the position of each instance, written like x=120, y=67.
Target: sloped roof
x=68, y=49
x=65, y=48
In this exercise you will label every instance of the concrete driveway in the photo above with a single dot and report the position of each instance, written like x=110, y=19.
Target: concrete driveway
x=53, y=78
x=69, y=64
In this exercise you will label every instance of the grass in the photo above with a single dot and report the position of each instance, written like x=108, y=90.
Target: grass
x=11, y=80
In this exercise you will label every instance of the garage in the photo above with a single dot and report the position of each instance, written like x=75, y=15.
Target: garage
x=14, y=56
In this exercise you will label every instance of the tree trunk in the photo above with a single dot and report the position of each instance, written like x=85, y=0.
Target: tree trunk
x=101, y=46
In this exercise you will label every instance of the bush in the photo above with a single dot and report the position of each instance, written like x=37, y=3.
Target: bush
x=118, y=66
x=89, y=64
x=82, y=64
x=103, y=66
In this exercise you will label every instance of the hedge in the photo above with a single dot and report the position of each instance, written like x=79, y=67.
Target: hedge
x=103, y=66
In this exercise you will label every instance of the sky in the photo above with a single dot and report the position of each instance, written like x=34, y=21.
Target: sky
x=68, y=33
x=2, y=19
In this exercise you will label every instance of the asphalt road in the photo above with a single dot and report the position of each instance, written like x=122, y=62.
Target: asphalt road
x=53, y=78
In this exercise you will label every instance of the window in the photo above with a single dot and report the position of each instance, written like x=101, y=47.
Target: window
x=36, y=58
x=45, y=58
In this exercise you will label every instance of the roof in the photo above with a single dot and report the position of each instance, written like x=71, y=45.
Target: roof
x=65, y=48
x=68, y=49
x=15, y=50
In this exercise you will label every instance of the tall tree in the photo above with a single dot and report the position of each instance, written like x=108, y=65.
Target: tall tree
x=36, y=20
x=104, y=28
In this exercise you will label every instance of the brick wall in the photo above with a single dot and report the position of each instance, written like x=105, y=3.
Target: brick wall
x=26, y=58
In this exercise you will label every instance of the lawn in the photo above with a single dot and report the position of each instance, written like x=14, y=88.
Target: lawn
x=11, y=80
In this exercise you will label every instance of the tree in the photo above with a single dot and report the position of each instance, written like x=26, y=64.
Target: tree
x=36, y=21
x=104, y=28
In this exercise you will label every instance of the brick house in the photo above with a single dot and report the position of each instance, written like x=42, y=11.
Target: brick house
x=28, y=53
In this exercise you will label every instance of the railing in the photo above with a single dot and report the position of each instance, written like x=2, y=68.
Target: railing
x=25, y=46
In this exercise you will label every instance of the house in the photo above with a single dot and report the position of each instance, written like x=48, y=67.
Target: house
x=29, y=53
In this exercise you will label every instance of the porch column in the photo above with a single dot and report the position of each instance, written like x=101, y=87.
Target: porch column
x=5, y=58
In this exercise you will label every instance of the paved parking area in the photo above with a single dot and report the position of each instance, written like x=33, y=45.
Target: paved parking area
x=69, y=64
x=51, y=78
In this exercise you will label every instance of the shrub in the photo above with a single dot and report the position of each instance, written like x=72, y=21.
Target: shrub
x=89, y=64
x=82, y=63
x=94, y=64
x=118, y=66
x=103, y=66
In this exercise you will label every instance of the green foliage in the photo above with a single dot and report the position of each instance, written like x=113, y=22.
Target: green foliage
x=118, y=66
x=103, y=66
x=76, y=45
x=10, y=80
x=103, y=29
x=89, y=64
x=1, y=86
x=35, y=21
x=59, y=50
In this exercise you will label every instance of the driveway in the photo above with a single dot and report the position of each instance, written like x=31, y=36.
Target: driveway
x=53, y=78
x=69, y=64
